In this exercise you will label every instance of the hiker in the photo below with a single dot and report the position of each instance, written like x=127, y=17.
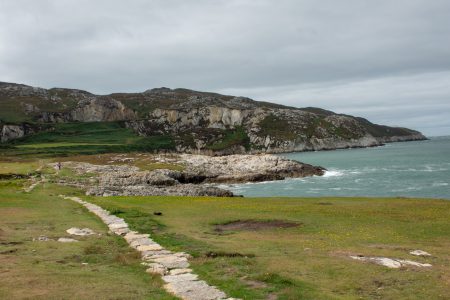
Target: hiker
x=58, y=166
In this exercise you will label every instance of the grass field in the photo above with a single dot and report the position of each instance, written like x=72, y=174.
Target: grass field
x=306, y=262
x=85, y=138
x=97, y=267
x=309, y=261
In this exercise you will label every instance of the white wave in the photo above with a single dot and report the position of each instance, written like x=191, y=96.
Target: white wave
x=355, y=172
x=440, y=183
x=225, y=186
x=434, y=168
x=333, y=173
x=408, y=189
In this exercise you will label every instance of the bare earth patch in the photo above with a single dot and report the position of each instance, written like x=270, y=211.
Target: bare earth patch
x=254, y=225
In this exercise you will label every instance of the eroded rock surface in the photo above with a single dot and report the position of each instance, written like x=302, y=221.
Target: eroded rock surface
x=246, y=168
x=200, y=174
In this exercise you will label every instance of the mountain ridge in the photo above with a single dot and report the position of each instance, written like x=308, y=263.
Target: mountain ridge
x=196, y=121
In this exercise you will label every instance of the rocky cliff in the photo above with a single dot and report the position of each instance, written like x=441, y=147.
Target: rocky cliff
x=198, y=122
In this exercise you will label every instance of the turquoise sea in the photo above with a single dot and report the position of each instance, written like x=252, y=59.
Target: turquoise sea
x=407, y=169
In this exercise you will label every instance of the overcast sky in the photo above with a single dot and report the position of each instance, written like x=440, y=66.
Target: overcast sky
x=386, y=60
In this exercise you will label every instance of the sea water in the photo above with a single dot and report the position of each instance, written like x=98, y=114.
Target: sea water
x=407, y=169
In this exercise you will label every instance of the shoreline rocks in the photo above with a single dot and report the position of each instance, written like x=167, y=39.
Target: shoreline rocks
x=197, y=179
x=247, y=168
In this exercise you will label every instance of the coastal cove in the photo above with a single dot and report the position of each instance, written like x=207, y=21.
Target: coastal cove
x=410, y=169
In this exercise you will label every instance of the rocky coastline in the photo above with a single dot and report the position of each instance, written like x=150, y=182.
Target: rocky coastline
x=195, y=122
x=199, y=176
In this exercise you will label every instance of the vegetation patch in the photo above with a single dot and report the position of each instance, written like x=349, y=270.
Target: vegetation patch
x=214, y=254
x=254, y=225
x=93, y=268
x=86, y=138
x=301, y=262
x=277, y=128
x=232, y=137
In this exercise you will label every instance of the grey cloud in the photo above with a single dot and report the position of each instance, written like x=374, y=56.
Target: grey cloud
x=350, y=54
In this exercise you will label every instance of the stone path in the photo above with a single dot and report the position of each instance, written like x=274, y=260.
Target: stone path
x=34, y=184
x=173, y=267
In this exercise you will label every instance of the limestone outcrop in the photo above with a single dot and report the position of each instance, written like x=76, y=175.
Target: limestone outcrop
x=12, y=132
x=197, y=179
x=245, y=168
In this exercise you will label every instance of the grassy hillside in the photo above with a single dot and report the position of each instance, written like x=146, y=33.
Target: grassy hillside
x=85, y=138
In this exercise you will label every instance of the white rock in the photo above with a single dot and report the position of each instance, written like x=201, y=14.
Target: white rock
x=180, y=271
x=66, y=240
x=149, y=255
x=194, y=290
x=133, y=235
x=390, y=262
x=121, y=231
x=152, y=247
x=172, y=262
x=81, y=232
x=180, y=277
x=117, y=225
x=414, y=263
x=155, y=268
x=141, y=241
x=420, y=253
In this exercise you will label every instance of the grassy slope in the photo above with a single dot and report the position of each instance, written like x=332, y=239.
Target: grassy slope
x=232, y=137
x=85, y=138
x=52, y=270
x=309, y=262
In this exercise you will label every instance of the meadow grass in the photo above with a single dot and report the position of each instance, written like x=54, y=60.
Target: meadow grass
x=22, y=168
x=306, y=262
x=96, y=267
x=69, y=139
x=310, y=261
x=62, y=144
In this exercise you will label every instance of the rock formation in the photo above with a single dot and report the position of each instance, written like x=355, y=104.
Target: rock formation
x=198, y=122
x=196, y=180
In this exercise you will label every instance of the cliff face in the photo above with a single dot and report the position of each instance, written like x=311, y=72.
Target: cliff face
x=198, y=122
x=11, y=132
